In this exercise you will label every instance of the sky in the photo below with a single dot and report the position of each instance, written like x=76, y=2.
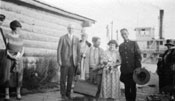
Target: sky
x=123, y=13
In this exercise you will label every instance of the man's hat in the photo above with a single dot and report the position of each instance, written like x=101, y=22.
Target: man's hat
x=142, y=77
x=2, y=17
x=169, y=42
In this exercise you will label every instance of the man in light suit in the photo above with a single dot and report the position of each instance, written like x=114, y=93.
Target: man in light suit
x=68, y=59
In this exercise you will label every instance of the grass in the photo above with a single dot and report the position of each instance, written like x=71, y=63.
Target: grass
x=40, y=74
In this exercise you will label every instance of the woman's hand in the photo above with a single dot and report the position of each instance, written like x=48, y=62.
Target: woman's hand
x=83, y=55
x=18, y=56
x=10, y=55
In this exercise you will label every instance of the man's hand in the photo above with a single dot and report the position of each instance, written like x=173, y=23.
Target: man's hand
x=137, y=70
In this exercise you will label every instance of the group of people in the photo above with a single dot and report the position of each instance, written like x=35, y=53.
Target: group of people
x=11, y=58
x=75, y=57
x=101, y=67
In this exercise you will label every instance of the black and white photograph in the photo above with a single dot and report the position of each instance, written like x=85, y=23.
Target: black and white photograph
x=87, y=50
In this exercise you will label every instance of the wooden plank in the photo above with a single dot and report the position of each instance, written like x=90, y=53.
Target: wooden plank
x=29, y=20
x=41, y=15
x=33, y=27
x=39, y=29
x=34, y=36
x=39, y=52
x=39, y=44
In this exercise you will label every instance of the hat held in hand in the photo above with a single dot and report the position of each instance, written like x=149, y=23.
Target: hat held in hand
x=141, y=76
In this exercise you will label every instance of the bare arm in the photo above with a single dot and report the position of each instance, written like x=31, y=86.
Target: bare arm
x=10, y=55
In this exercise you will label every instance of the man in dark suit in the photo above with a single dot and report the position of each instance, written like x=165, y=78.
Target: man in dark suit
x=131, y=59
x=68, y=57
x=2, y=50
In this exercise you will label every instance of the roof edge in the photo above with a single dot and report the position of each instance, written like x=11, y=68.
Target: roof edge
x=59, y=12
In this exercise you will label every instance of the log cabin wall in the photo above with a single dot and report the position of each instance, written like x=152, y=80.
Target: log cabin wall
x=40, y=29
x=42, y=25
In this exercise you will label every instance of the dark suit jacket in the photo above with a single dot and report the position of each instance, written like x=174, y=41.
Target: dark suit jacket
x=66, y=49
x=3, y=56
x=130, y=56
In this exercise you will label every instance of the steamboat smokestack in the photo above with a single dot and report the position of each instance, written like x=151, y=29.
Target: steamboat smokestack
x=161, y=24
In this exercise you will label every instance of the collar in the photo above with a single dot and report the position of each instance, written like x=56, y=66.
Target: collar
x=172, y=47
x=70, y=35
x=112, y=50
x=94, y=47
x=125, y=41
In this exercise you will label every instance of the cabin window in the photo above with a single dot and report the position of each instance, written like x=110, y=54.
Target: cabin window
x=161, y=42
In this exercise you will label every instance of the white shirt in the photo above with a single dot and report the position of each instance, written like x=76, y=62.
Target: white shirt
x=70, y=36
x=2, y=44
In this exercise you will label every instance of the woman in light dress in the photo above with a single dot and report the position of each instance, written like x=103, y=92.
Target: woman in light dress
x=14, y=62
x=110, y=87
x=84, y=51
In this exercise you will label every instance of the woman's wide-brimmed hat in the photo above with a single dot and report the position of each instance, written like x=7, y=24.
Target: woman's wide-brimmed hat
x=169, y=42
x=142, y=77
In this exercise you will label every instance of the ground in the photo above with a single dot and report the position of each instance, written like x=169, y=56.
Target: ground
x=54, y=95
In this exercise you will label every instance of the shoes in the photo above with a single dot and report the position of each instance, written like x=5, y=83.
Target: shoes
x=7, y=97
x=64, y=97
x=69, y=97
x=18, y=97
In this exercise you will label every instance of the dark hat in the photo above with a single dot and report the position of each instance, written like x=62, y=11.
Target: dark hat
x=113, y=42
x=15, y=24
x=169, y=42
x=142, y=77
x=2, y=17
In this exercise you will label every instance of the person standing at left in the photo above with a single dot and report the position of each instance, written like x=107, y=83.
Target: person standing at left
x=3, y=52
x=14, y=61
x=68, y=59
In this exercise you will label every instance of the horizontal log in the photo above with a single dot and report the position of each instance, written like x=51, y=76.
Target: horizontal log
x=34, y=36
x=39, y=52
x=39, y=29
x=40, y=15
x=30, y=59
x=57, y=32
x=29, y=20
x=40, y=44
x=33, y=59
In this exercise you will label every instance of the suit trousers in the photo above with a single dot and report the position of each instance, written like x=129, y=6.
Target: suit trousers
x=130, y=87
x=3, y=57
x=96, y=78
x=67, y=74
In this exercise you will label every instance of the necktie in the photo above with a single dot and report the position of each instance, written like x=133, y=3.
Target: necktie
x=96, y=55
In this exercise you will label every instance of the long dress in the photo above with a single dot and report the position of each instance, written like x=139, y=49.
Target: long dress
x=84, y=51
x=110, y=87
x=14, y=68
